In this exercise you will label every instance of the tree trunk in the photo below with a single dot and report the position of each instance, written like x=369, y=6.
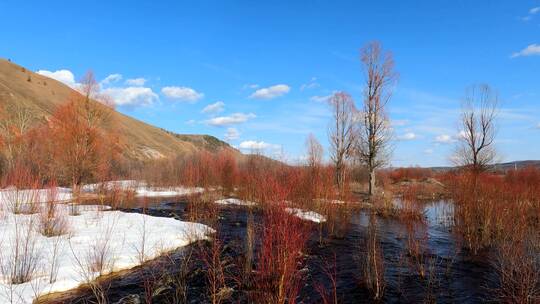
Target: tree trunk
x=371, y=190
x=340, y=177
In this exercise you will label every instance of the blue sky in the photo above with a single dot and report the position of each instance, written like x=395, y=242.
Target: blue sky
x=264, y=66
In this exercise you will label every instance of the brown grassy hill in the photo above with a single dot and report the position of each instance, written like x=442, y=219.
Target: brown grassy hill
x=40, y=95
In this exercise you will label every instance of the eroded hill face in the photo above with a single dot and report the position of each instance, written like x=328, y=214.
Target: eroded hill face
x=21, y=89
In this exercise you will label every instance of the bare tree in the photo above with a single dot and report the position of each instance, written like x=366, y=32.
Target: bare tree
x=314, y=157
x=314, y=151
x=477, y=132
x=374, y=132
x=15, y=121
x=342, y=134
x=83, y=148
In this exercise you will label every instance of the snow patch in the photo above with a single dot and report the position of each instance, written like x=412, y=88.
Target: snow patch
x=141, y=189
x=329, y=201
x=235, y=201
x=306, y=215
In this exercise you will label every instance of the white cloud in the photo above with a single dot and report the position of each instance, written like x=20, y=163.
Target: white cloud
x=444, y=139
x=191, y=122
x=214, y=107
x=232, y=134
x=317, y=98
x=136, y=81
x=271, y=92
x=462, y=134
x=111, y=79
x=64, y=76
x=428, y=151
x=533, y=49
x=252, y=86
x=254, y=145
x=131, y=96
x=310, y=85
x=533, y=11
x=182, y=93
x=235, y=118
x=538, y=126
x=121, y=96
x=274, y=150
x=407, y=136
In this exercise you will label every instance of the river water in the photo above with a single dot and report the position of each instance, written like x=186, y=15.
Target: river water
x=450, y=275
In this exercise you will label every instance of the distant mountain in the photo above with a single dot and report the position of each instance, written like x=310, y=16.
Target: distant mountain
x=516, y=165
x=500, y=166
x=39, y=94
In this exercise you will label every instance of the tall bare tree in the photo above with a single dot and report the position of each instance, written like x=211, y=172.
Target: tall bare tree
x=374, y=132
x=342, y=134
x=477, y=132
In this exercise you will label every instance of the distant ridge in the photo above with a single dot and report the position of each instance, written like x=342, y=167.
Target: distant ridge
x=520, y=164
x=516, y=165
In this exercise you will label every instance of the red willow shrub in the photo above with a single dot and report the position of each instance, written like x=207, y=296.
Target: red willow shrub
x=411, y=173
x=280, y=259
x=500, y=213
x=216, y=270
x=331, y=272
x=491, y=206
x=201, y=169
x=52, y=221
x=227, y=168
x=517, y=266
x=23, y=194
x=372, y=261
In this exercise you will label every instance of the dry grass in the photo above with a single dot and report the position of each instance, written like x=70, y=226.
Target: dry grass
x=20, y=264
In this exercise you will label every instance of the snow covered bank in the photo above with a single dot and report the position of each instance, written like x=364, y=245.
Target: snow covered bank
x=121, y=240
x=141, y=189
x=235, y=201
x=306, y=215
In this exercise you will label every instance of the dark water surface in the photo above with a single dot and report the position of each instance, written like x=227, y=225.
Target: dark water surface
x=451, y=275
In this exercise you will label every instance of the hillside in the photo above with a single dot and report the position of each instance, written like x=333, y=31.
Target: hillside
x=40, y=95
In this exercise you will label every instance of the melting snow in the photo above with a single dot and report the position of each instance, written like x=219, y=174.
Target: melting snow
x=235, y=201
x=142, y=189
x=306, y=215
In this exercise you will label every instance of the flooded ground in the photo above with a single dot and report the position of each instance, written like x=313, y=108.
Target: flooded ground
x=442, y=274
